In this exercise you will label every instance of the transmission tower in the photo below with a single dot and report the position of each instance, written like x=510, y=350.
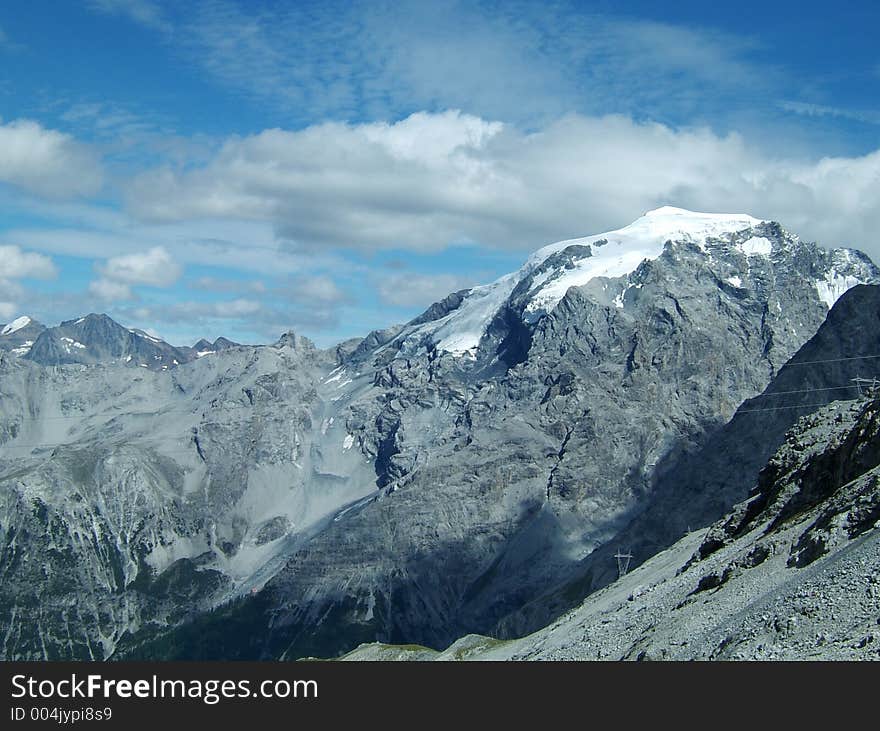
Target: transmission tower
x=623, y=560
x=866, y=385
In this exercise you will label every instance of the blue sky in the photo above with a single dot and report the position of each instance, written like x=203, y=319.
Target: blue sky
x=220, y=167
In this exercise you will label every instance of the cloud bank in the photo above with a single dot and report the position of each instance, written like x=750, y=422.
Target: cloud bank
x=432, y=180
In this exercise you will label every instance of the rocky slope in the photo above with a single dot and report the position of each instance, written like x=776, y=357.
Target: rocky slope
x=699, y=488
x=792, y=573
x=134, y=496
x=431, y=480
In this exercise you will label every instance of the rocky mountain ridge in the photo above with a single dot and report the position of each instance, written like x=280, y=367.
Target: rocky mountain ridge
x=428, y=481
x=98, y=339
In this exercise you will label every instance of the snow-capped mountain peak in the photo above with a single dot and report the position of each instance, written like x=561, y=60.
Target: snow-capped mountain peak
x=617, y=253
x=611, y=254
x=660, y=225
x=16, y=325
x=733, y=243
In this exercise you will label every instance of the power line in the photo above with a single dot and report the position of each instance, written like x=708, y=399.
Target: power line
x=802, y=390
x=134, y=414
x=260, y=416
x=857, y=385
x=82, y=417
x=830, y=360
x=78, y=446
x=780, y=408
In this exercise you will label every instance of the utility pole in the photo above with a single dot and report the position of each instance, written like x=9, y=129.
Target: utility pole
x=623, y=560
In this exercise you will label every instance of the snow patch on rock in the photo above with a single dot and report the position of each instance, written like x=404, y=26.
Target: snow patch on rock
x=16, y=325
x=833, y=286
x=756, y=246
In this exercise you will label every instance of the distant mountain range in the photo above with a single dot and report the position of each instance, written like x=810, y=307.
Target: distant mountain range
x=98, y=339
x=471, y=471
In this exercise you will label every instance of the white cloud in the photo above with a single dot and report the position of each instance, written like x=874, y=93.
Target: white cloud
x=316, y=289
x=123, y=132
x=155, y=268
x=8, y=310
x=144, y=12
x=95, y=232
x=519, y=61
x=18, y=264
x=432, y=180
x=46, y=162
x=355, y=185
x=109, y=290
x=819, y=110
x=7, y=44
x=10, y=288
x=216, y=284
x=409, y=289
x=200, y=311
x=235, y=308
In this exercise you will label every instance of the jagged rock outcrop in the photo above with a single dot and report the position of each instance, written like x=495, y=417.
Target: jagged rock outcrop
x=204, y=347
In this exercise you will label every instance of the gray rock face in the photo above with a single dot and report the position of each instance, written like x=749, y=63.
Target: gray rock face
x=699, y=488
x=97, y=339
x=431, y=480
x=133, y=498
x=791, y=573
x=562, y=450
